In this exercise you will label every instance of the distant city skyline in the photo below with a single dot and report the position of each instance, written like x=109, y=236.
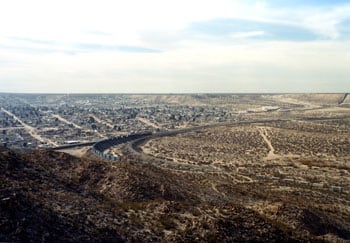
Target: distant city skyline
x=161, y=46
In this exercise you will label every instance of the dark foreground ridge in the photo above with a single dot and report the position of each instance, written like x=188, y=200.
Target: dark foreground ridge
x=48, y=196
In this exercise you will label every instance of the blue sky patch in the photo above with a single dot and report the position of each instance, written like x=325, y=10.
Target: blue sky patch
x=308, y=3
x=272, y=31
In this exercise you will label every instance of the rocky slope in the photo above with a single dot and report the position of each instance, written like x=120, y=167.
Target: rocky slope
x=48, y=196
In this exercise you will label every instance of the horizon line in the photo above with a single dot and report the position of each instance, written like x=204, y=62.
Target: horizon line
x=166, y=93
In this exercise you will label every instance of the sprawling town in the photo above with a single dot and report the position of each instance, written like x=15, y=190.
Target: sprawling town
x=31, y=121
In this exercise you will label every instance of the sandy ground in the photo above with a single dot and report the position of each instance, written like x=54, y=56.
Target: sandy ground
x=77, y=152
x=295, y=101
x=330, y=110
x=347, y=100
x=271, y=155
x=310, y=99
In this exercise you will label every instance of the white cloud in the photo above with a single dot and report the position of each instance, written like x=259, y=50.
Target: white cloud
x=187, y=64
x=268, y=66
x=247, y=34
x=64, y=20
x=325, y=22
x=127, y=21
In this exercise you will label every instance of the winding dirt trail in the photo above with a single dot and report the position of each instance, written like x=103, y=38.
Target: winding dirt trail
x=271, y=155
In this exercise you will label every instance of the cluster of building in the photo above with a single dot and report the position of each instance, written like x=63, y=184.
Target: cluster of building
x=28, y=120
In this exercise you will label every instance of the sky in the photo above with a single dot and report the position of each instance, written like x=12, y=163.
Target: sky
x=168, y=46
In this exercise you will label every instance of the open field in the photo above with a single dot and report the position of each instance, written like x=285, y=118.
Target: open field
x=304, y=162
x=290, y=151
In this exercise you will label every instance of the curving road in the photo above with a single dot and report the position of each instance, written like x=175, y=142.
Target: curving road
x=134, y=149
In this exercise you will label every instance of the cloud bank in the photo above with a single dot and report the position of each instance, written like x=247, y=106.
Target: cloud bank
x=174, y=46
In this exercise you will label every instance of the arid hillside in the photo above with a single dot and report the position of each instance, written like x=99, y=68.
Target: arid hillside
x=49, y=196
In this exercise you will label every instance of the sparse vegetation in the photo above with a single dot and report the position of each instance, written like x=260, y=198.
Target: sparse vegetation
x=255, y=179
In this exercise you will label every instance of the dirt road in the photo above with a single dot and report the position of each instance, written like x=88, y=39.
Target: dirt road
x=148, y=122
x=271, y=155
x=31, y=130
x=66, y=121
